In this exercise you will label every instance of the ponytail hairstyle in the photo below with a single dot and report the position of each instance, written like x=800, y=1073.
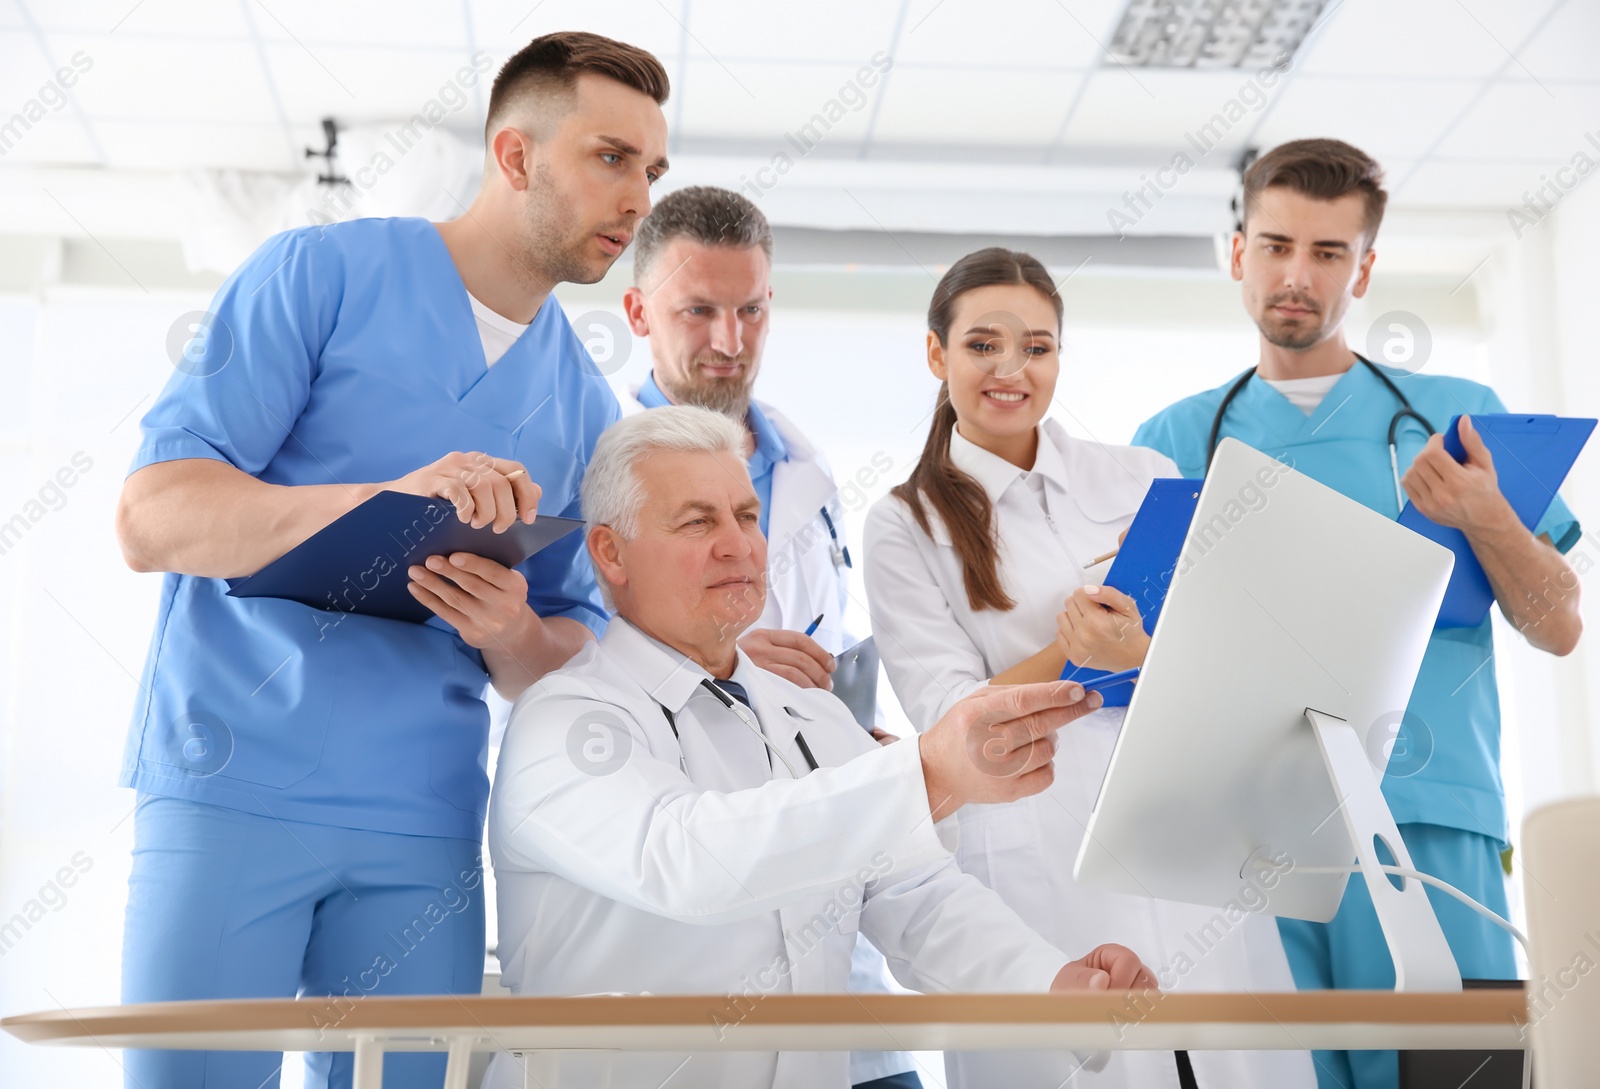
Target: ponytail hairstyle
x=957, y=499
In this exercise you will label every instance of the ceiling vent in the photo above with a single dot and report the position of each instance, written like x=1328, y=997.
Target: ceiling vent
x=1212, y=33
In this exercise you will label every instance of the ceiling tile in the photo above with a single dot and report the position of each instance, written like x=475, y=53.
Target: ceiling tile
x=767, y=103
x=1476, y=184
x=25, y=71
x=1194, y=112
x=993, y=34
x=1363, y=112
x=1420, y=37
x=506, y=26
x=838, y=30
x=361, y=85
x=397, y=23
x=922, y=106
x=1565, y=48
x=163, y=79
x=137, y=19
x=1528, y=121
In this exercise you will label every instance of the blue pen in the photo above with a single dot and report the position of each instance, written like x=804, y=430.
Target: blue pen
x=1109, y=680
x=815, y=624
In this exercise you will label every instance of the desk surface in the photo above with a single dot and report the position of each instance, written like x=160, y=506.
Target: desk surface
x=1095, y=1020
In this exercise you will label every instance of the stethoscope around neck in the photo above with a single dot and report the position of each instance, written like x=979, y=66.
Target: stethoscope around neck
x=1395, y=421
x=738, y=710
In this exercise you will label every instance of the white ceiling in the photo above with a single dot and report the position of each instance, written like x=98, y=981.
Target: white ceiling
x=1467, y=102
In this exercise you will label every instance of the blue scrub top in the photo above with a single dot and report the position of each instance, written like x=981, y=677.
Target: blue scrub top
x=770, y=447
x=349, y=353
x=1445, y=767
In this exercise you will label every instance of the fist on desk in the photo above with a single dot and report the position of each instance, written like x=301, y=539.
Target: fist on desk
x=1106, y=968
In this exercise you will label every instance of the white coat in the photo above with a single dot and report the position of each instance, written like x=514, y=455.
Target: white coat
x=628, y=860
x=937, y=649
x=808, y=577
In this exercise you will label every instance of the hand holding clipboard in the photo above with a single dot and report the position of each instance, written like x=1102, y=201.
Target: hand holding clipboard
x=1143, y=568
x=1525, y=456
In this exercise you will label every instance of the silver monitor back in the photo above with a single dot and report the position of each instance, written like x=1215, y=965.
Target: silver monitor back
x=1288, y=596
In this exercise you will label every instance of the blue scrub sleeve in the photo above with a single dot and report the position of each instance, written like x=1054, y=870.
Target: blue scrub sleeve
x=561, y=578
x=244, y=382
x=1159, y=433
x=1559, y=523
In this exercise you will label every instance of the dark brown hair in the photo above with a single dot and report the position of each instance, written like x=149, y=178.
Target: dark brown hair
x=552, y=63
x=1323, y=170
x=957, y=499
x=703, y=214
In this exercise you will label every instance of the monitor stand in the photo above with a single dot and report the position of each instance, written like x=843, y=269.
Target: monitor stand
x=1422, y=957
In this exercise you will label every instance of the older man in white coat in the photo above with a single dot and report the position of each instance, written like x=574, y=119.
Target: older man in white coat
x=702, y=263
x=669, y=817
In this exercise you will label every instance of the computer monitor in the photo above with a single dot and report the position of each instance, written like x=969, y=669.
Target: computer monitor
x=1257, y=736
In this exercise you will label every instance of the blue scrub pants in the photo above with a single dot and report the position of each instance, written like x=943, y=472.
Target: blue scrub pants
x=1349, y=953
x=224, y=904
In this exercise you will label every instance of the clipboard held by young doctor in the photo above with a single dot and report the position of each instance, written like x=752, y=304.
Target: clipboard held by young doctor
x=1144, y=565
x=357, y=563
x=1532, y=455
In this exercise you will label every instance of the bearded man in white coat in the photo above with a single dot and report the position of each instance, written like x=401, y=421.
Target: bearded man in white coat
x=702, y=295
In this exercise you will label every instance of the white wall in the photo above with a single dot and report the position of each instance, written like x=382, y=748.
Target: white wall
x=77, y=623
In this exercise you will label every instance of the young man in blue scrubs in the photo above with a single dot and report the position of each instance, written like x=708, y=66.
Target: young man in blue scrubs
x=312, y=784
x=1311, y=212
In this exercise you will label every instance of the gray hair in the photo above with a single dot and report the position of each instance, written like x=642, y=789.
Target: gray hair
x=611, y=493
x=704, y=214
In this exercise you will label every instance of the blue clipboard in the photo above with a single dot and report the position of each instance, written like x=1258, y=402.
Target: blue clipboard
x=357, y=563
x=1532, y=456
x=1145, y=563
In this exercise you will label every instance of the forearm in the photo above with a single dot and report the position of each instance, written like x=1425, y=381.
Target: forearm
x=539, y=647
x=1043, y=666
x=201, y=517
x=1535, y=586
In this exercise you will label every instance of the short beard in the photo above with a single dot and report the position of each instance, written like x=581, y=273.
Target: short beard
x=729, y=396
x=1281, y=338
x=1296, y=343
x=549, y=251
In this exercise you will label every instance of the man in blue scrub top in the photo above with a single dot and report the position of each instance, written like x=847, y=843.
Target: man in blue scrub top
x=1312, y=209
x=312, y=784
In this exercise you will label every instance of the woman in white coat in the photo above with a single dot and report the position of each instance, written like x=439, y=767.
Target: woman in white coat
x=975, y=575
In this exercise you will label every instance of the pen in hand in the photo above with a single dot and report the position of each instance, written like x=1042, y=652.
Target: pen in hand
x=1102, y=559
x=815, y=624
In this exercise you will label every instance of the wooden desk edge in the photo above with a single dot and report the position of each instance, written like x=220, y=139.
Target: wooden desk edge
x=1496, y=1008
